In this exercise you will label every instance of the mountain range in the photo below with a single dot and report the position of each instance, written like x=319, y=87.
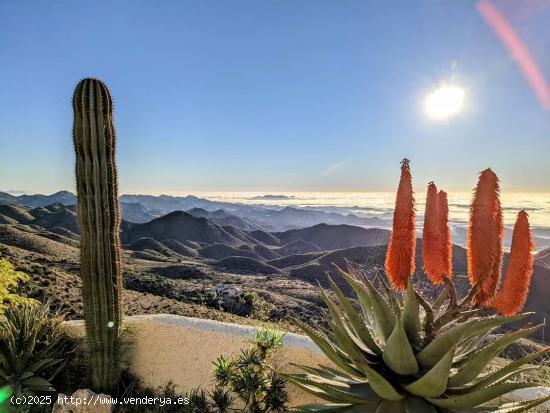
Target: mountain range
x=143, y=208
x=171, y=258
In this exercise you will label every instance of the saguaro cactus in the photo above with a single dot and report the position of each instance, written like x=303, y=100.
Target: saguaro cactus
x=99, y=221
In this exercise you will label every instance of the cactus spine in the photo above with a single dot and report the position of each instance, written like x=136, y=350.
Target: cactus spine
x=99, y=221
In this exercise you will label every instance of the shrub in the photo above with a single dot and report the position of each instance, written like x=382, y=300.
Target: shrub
x=250, y=377
x=32, y=348
x=9, y=281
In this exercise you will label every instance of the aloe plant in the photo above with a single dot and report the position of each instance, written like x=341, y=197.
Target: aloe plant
x=99, y=221
x=394, y=359
x=402, y=354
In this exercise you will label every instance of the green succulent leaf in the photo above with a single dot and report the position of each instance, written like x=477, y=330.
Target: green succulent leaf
x=345, y=338
x=381, y=386
x=478, y=397
x=511, y=368
x=358, y=324
x=339, y=408
x=514, y=407
x=479, y=361
x=398, y=353
x=384, y=316
x=391, y=407
x=360, y=290
x=328, y=349
x=343, y=392
x=434, y=351
x=418, y=405
x=328, y=373
x=411, y=314
x=434, y=382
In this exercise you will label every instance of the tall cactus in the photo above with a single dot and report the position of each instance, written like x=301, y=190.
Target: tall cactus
x=99, y=221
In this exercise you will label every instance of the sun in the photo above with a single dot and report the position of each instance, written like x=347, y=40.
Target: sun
x=444, y=102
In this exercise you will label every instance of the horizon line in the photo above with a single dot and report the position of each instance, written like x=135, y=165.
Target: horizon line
x=17, y=193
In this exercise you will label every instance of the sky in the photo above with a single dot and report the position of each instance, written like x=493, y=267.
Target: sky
x=274, y=95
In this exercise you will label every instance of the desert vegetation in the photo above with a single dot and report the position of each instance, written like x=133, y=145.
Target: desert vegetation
x=405, y=354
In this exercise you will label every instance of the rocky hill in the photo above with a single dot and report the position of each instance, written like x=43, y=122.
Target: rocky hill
x=172, y=261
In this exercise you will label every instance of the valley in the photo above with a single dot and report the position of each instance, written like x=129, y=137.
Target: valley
x=174, y=262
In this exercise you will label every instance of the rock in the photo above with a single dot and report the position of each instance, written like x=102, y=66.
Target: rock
x=83, y=401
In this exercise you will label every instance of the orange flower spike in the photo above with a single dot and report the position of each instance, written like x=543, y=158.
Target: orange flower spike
x=485, y=233
x=431, y=237
x=513, y=293
x=491, y=283
x=446, y=245
x=400, y=257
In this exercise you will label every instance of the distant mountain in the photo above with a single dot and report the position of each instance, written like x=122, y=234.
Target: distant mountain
x=135, y=212
x=290, y=218
x=222, y=217
x=6, y=198
x=62, y=197
x=332, y=237
x=220, y=251
x=265, y=237
x=148, y=244
x=16, y=213
x=180, y=248
x=543, y=257
x=181, y=227
x=267, y=218
x=246, y=265
x=51, y=216
x=272, y=197
x=298, y=246
x=143, y=208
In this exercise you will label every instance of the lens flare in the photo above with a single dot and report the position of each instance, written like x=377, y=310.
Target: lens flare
x=444, y=102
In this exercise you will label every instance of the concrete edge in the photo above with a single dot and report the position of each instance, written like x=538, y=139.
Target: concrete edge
x=247, y=332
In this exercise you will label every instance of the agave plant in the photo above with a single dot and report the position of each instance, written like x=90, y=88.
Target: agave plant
x=402, y=354
x=32, y=346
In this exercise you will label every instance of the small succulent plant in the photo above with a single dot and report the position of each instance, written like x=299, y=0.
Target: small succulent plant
x=402, y=354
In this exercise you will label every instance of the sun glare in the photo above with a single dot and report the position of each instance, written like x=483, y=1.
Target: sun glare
x=444, y=102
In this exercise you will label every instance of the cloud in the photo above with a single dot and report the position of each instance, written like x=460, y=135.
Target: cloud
x=332, y=168
x=16, y=192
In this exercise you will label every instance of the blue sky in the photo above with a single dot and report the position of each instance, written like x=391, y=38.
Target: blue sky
x=276, y=95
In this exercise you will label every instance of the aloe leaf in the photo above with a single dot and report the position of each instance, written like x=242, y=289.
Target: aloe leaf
x=339, y=391
x=357, y=323
x=434, y=382
x=418, y=405
x=398, y=354
x=314, y=390
x=391, y=407
x=513, y=407
x=343, y=334
x=384, y=317
x=479, y=361
x=411, y=314
x=478, y=397
x=440, y=300
x=360, y=291
x=382, y=387
x=510, y=368
x=434, y=351
x=329, y=351
x=328, y=373
x=338, y=408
